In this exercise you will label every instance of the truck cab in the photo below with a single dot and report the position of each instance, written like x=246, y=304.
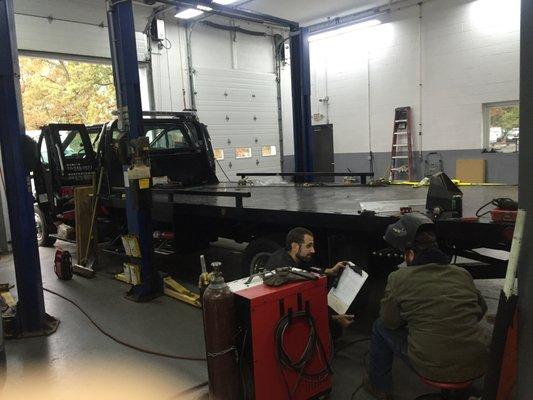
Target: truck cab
x=180, y=150
x=180, y=154
x=67, y=160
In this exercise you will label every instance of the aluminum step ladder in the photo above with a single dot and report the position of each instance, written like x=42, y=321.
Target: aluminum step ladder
x=402, y=150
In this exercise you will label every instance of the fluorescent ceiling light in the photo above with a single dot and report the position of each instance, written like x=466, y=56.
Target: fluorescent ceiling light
x=203, y=8
x=189, y=13
x=345, y=29
x=224, y=2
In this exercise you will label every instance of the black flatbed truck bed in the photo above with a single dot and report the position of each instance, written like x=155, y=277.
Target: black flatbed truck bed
x=262, y=215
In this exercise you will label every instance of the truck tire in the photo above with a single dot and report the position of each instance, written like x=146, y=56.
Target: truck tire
x=43, y=235
x=256, y=255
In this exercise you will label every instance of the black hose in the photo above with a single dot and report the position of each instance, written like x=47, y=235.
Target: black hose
x=119, y=341
x=299, y=366
x=234, y=29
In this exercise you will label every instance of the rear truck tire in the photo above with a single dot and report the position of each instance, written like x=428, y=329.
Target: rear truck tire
x=43, y=234
x=257, y=254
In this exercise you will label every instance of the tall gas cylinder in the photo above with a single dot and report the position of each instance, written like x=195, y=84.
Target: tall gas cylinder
x=219, y=329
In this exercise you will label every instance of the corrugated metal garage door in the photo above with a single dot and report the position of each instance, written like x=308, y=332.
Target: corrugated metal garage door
x=60, y=37
x=241, y=111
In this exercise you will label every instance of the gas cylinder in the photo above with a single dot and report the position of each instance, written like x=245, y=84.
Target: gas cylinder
x=219, y=330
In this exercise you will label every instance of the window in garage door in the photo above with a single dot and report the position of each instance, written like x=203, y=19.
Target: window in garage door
x=68, y=91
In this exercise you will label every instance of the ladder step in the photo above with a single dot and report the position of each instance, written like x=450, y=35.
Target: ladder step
x=400, y=145
x=400, y=120
x=400, y=156
x=400, y=133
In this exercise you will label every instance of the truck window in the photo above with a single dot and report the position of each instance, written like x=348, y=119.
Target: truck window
x=167, y=138
x=44, y=152
x=72, y=144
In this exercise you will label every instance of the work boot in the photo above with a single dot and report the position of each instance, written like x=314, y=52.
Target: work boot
x=376, y=393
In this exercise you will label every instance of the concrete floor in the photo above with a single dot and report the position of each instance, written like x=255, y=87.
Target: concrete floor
x=80, y=361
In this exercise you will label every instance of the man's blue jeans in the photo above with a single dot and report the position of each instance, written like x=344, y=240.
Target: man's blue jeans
x=385, y=345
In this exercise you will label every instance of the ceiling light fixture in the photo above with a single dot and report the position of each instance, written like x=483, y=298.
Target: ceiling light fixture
x=189, y=13
x=345, y=29
x=224, y=2
x=204, y=8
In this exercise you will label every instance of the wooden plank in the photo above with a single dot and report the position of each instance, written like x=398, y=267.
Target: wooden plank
x=472, y=171
x=8, y=298
x=83, y=207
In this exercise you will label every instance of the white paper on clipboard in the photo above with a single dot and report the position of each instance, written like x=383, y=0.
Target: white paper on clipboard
x=342, y=296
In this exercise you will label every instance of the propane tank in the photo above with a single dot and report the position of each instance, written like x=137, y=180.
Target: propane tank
x=219, y=330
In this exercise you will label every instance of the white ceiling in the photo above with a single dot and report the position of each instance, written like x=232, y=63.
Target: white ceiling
x=307, y=11
x=302, y=11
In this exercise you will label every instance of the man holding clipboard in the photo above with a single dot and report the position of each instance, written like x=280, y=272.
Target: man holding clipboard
x=298, y=252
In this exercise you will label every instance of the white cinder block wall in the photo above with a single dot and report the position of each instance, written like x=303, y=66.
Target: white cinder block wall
x=463, y=53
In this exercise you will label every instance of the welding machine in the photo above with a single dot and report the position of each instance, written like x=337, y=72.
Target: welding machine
x=283, y=343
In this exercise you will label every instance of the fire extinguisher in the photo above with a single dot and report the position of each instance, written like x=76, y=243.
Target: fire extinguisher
x=219, y=330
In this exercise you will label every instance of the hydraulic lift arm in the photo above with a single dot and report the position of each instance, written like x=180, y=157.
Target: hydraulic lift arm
x=136, y=172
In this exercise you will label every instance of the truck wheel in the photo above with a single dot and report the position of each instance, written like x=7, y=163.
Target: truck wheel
x=43, y=235
x=257, y=254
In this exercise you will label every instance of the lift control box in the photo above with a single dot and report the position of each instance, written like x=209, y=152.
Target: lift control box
x=278, y=326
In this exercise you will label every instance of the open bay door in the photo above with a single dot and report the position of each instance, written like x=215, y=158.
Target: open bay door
x=236, y=97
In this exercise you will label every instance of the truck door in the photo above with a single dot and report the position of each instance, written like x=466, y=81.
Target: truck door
x=74, y=155
x=68, y=160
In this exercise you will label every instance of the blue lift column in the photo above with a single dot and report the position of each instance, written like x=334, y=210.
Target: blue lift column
x=301, y=103
x=30, y=308
x=138, y=196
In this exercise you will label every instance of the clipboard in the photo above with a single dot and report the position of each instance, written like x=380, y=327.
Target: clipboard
x=341, y=296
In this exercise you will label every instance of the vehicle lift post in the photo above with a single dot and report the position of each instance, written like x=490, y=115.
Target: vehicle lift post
x=126, y=78
x=32, y=319
x=301, y=103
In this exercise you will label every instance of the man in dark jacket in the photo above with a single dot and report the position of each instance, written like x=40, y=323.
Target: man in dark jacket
x=298, y=252
x=429, y=315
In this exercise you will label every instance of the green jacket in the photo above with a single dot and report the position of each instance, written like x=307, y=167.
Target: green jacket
x=441, y=308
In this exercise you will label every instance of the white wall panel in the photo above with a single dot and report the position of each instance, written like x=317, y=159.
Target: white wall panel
x=467, y=63
x=169, y=70
x=464, y=53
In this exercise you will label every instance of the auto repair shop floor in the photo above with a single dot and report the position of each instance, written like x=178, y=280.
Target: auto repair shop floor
x=80, y=358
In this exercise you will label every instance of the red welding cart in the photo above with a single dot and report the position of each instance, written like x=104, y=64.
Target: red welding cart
x=277, y=325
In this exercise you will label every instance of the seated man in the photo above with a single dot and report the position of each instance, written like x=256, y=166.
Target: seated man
x=298, y=252
x=429, y=315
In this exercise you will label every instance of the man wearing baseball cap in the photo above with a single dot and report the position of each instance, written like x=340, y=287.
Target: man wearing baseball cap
x=429, y=315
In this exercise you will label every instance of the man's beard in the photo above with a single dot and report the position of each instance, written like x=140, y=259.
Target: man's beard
x=300, y=257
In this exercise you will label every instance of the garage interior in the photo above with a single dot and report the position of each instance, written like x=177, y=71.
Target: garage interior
x=147, y=137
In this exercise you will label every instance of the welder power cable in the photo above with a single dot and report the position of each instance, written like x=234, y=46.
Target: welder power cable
x=119, y=341
x=300, y=365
